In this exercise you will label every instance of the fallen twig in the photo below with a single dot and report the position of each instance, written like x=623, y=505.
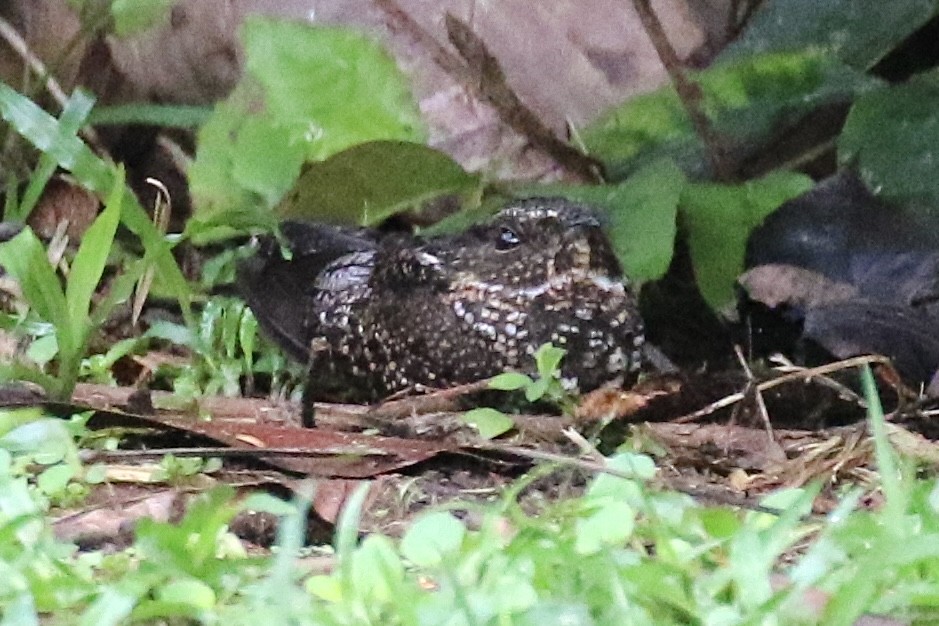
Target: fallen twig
x=688, y=91
x=805, y=374
x=480, y=74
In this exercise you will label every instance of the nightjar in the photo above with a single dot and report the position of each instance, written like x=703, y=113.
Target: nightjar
x=376, y=313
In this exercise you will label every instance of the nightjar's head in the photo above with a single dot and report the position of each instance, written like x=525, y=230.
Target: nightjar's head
x=530, y=242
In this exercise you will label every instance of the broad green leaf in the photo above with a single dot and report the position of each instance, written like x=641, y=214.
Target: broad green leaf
x=309, y=92
x=47, y=439
x=371, y=181
x=55, y=479
x=719, y=523
x=749, y=100
x=548, y=359
x=612, y=523
x=331, y=87
x=509, y=381
x=639, y=465
x=537, y=389
x=266, y=161
x=642, y=219
x=719, y=219
x=43, y=349
x=859, y=32
x=431, y=538
x=377, y=570
x=190, y=592
x=215, y=191
x=489, y=423
x=891, y=138
x=326, y=588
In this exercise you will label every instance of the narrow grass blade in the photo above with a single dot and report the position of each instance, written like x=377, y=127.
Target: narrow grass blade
x=166, y=116
x=73, y=116
x=886, y=457
x=45, y=133
x=92, y=256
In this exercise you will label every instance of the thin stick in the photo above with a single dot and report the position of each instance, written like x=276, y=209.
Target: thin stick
x=19, y=45
x=230, y=453
x=481, y=76
x=34, y=63
x=760, y=402
x=688, y=91
x=769, y=384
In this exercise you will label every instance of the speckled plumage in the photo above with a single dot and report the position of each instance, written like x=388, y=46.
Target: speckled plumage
x=377, y=314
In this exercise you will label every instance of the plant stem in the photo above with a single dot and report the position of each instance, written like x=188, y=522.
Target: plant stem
x=688, y=91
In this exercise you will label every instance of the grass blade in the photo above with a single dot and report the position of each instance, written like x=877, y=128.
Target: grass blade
x=46, y=134
x=24, y=258
x=73, y=116
x=167, y=116
x=886, y=458
x=92, y=256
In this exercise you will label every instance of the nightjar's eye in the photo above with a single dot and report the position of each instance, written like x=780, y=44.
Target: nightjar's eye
x=507, y=239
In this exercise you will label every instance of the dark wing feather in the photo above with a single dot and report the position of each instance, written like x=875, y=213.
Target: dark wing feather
x=280, y=291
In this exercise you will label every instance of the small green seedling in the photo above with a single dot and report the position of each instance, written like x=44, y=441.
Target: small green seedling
x=547, y=386
x=227, y=352
x=181, y=470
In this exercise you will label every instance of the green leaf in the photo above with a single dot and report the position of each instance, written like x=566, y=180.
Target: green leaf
x=371, y=181
x=43, y=349
x=267, y=162
x=509, y=381
x=719, y=219
x=112, y=605
x=612, y=523
x=639, y=465
x=91, y=258
x=74, y=113
x=24, y=258
x=215, y=191
x=749, y=101
x=190, y=592
x=890, y=137
x=431, y=538
x=332, y=87
x=377, y=570
x=537, y=389
x=859, y=32
x=489, y=423
x=55, y=479
x=548, y=359
x=47, y=439
x=308, y=93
